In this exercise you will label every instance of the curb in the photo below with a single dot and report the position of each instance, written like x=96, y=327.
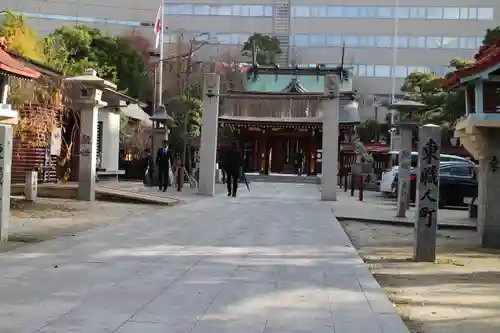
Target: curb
x=445, y=226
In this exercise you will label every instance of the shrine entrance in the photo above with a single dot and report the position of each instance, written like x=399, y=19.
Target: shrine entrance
x=276, y=113
x=271, y=143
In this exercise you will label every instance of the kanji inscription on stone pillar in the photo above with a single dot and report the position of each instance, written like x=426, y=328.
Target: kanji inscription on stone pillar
x=429, y=149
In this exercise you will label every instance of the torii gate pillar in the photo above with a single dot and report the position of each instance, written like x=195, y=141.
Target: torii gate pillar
x=329, y=164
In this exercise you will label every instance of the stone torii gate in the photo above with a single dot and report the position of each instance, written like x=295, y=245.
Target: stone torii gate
x=330, y=98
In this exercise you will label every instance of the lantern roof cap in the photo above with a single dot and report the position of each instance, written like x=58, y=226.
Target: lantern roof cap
x=160, y=114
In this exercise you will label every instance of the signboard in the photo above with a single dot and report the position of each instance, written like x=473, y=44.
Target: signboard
x=56, y=142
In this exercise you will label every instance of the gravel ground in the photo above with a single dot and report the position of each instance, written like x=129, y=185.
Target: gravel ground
x=50, y=218
x=460, y=293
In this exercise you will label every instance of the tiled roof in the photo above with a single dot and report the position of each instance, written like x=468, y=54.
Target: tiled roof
x=486, y=57
x=10, y=66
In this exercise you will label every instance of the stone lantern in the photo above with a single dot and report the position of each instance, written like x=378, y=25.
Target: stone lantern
x=161, y=120
x=9, y=67
x=86, y=97
x=407, y=120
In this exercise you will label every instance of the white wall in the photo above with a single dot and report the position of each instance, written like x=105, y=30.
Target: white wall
x=110, y=138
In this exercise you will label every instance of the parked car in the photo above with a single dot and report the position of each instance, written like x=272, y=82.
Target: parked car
x=457, y=180
x=387, y=178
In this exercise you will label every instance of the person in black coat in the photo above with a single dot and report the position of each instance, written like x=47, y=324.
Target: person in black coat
x=148, y=167
x=298, y=160
x=163, y=162
x=233, y=161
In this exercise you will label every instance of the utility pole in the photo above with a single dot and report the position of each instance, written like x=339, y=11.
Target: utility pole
x=187, y=91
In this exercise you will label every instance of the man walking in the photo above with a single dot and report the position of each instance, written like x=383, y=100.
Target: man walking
x=148, y=166
x=233, y=162
x=299, y=159
x=163, y=162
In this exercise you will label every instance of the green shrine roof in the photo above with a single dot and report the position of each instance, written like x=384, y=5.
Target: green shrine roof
x=278, y=83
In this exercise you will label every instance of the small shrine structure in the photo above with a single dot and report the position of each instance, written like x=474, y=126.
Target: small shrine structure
x=479, y=133
x=9, y=67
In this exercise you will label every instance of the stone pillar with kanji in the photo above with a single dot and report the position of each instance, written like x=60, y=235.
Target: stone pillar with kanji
x=429, y=150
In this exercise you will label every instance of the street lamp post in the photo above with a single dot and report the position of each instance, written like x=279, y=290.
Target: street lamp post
x=408, y=120
x=187, y=91
x=394, y=63
x=160, y=121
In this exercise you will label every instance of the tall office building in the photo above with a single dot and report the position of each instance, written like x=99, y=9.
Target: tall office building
x=429, y=34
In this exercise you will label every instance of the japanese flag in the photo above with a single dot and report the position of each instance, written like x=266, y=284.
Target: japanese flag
x=158, y=29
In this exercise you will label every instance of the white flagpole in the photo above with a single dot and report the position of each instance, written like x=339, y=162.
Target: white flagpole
x=160, y=67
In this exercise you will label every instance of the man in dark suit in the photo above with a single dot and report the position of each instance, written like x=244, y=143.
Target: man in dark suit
x=233, y=161
x=299, y=159
x=163, y=162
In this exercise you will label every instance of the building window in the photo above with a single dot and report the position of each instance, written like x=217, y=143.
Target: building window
x=334, y=41
x=451, y=13
x=301, y=11
x=383, y=41
x=384, y=12
x=401, y=71
x=382, y=71
x=485, y=13
x=417, y=13
x=367, y=41
x=434, y=42
x=252, y=10
x=351, y=41
x=472, y=13
x=435, y=13
x=202, y=10
x=301, y=40
x=220, y=10
x=402, y=42
x=268, y=11
x=368, y=12
x=317, y=40
x=318, y=11
x=183, y=10
x=350, y=12
x=334, y=12
x=403, y=12
x=450, y=43
x=369, y=70
x=416, y=42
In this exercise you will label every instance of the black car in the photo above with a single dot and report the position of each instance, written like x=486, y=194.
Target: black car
x=457, y=180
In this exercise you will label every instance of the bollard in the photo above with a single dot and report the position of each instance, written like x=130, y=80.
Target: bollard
x=352, y=184
x=473, y=211
x=180, y=178
x=345, y=182
x=361, y=186
x=31, y=185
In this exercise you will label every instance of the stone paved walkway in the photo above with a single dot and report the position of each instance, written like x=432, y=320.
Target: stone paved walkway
x=273, y=260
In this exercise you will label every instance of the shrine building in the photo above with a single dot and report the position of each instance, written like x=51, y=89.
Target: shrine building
x=279, y=112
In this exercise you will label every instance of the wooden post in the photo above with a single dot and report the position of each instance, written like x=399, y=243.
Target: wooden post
x=361, y=187
x=345, y=181
x=352, y=184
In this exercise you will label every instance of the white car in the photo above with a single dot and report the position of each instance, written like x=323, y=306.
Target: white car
x=387, y=184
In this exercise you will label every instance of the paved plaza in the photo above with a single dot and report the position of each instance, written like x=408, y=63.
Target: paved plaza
x=272, y=260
